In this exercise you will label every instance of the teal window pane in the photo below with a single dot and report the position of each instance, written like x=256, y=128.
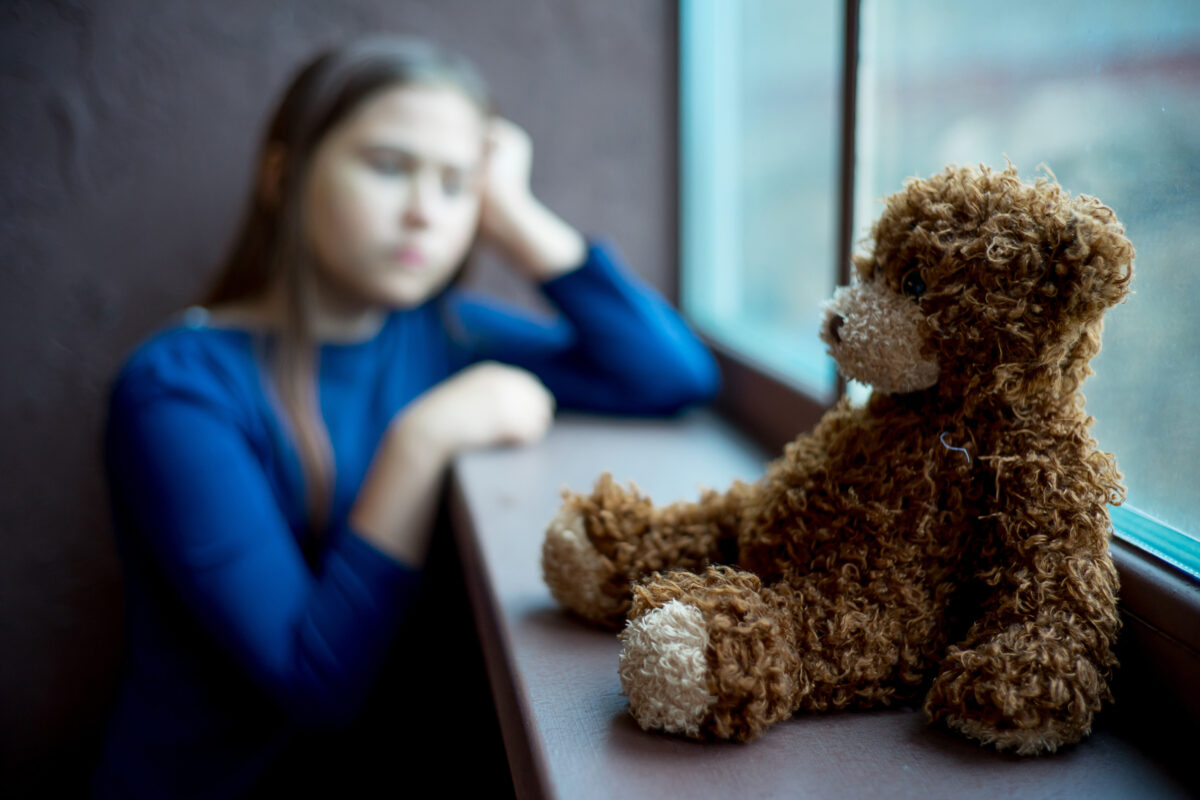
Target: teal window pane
x=759, y=114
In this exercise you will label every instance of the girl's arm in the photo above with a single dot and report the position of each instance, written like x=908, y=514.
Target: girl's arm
x=195, y=504
x=483, y=405
x=536, y=241
x=618, y=346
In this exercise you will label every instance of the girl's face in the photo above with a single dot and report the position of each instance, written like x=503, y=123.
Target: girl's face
x=392, y=197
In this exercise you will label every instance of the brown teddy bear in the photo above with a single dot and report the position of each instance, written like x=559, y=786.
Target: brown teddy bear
x=948, y=539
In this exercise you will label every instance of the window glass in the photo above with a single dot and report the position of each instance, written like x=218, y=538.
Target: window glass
x=760, y=92
x=1107, y=95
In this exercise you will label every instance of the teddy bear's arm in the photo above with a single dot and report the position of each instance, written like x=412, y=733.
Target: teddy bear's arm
x=1034, y=669
x=600, y=543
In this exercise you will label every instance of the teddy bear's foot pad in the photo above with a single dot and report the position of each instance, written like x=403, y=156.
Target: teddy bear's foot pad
x=574, y=570
x=664, y=669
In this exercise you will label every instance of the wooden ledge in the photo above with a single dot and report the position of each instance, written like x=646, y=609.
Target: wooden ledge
x=554, y=680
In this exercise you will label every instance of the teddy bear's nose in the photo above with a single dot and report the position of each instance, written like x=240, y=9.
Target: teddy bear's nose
x=835, y=324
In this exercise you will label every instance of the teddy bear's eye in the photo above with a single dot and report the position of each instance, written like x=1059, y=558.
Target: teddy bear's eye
x=912, y=285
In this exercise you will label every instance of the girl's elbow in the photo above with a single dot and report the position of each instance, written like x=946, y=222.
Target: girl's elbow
x=701, y=377
x=706, y=379
x=689, y=383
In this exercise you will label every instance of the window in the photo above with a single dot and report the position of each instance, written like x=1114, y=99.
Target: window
x=761, y=99
x=1104, y=93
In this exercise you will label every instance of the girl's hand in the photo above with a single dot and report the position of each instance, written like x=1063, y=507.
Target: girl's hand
x=483, y=405
x=538, y=242
x=486, y=404
x=509, y=163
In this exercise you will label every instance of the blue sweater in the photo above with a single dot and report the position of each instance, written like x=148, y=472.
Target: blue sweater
x=237, y=638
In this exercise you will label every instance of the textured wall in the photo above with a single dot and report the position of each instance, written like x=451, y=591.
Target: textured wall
x=127, y=130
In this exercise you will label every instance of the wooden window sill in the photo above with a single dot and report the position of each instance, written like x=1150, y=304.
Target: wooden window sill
x=554, y=680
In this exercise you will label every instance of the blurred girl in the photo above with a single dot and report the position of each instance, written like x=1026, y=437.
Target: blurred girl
x=274, y=457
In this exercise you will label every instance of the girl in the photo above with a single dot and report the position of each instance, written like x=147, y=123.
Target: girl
x=274, y=458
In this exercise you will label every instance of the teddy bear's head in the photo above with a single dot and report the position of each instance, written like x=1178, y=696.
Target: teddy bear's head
x=978, y=283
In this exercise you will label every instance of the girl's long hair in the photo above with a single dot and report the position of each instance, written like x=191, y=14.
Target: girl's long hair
x=270, y=245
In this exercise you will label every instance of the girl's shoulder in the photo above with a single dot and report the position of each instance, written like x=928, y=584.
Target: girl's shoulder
x=190, y=359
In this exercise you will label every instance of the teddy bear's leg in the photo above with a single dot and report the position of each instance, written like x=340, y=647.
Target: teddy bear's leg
x=721, y=655
x=708, y=654
x=1031, y=675
x=600, y=543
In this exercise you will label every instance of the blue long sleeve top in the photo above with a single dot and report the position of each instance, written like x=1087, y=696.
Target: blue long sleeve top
x=242, y=627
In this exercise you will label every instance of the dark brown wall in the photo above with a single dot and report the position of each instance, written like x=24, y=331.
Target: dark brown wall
x=127, y=130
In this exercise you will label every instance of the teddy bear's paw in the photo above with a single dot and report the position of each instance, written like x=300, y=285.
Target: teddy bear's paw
x=664, y=669
x=576, y=572
x=1040, y=739
x=1030, y=702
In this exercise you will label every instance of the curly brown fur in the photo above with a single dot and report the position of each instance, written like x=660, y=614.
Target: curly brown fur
x=950, y=537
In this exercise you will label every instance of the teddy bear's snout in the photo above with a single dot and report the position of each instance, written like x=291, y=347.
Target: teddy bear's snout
x=874, y=336
x=833, y=325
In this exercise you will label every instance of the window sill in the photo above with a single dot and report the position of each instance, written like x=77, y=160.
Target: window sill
x=554, y=680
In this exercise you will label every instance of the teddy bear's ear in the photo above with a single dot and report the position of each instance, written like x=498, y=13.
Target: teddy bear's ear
x=1095, y=262
x=1109, y=262
x=1086, y=268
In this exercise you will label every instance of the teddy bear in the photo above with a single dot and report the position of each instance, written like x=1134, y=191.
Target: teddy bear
x=946, y=540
